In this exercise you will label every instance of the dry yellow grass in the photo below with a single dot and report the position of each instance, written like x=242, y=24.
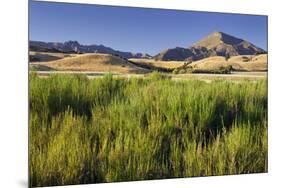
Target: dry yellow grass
x=245, y=62
x=109, y=63
x=94, y=62
x=248, y=63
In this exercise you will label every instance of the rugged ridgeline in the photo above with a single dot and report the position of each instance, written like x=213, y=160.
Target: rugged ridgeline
x=215, y=44
x=75, y=47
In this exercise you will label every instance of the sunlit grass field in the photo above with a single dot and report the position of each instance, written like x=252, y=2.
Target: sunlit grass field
x=118, y=129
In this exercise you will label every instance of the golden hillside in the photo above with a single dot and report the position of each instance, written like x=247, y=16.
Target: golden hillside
x=94, y=62
x=247, y=63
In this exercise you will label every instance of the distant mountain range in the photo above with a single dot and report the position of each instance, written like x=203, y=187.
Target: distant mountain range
x=75, y=47
x=215, y=44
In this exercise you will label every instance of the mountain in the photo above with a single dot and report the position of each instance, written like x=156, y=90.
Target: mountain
x=75, y=47
x=215, y=44
x=178, y=53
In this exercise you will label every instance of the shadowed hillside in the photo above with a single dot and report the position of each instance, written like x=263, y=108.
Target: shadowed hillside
x=47, y=56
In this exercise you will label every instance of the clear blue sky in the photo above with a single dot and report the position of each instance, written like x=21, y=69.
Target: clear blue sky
x=137, y=29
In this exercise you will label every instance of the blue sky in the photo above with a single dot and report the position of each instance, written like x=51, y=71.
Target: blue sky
x=137, y=29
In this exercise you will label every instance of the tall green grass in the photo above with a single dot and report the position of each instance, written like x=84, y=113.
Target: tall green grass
x=116, y=129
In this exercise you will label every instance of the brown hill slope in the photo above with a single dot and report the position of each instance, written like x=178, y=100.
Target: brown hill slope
x=239, y=63
x=96, y=63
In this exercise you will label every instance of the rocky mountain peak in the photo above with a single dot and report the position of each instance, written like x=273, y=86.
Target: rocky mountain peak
x=215, y=44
